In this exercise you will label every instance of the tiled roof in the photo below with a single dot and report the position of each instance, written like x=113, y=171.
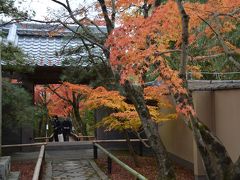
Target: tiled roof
x=42, y=50
x=39, y=45
x=206, y=85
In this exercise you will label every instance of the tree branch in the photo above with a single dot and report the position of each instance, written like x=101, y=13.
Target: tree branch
x=141, y=140
x=204, y=58
x=185, y=35
x=157, y=53
x=109, y=23
x=113, y=17
x=60, y=3
x=221, y=41
x=83, y=36
x=61, y=97
x=231, y=14
x=12, y=20
x=86, y=30
x=98, y=28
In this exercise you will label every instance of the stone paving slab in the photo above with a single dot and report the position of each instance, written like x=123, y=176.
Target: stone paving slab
x=69, y=154
x=72, y=170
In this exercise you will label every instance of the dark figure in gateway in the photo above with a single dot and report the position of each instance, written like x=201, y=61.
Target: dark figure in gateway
x=57, y=128
x=67, y=128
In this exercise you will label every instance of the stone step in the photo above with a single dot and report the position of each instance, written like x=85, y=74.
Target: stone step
x=77, y=145
x=5, y=163
x=69, y=154
x=14, y=176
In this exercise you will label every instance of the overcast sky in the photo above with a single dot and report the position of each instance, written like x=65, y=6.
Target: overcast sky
x=41, y=7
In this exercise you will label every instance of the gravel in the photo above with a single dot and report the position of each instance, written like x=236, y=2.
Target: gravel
x=26, y=168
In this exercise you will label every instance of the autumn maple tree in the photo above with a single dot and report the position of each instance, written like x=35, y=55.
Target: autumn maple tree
x=144, y=42
x=66, y=100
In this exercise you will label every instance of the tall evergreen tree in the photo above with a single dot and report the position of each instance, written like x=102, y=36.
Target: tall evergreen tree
x=8, y=13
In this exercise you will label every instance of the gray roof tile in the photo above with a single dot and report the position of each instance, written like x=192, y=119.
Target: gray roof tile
x=35, y=41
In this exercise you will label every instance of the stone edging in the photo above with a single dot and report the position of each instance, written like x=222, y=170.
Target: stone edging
x=98, y=170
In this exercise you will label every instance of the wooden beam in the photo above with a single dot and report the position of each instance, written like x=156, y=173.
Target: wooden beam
x=23, y=145
x=38, y=167
x=117, y=140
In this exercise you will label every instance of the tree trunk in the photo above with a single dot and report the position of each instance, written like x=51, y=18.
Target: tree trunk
x=85, y=133
x=40, y=128
x=216, y=160
x=75, y=105
x=75, y=123
x=165, y=167
x=215, y=157
x=79, y=120
x=131, y=150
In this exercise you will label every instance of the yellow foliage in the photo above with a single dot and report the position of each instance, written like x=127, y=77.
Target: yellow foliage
x=228, y=26
x=127, y=117
x=121, y=121
x=101, y=97
x=195, y=71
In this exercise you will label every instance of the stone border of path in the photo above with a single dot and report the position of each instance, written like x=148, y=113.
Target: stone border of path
x=101, y=174
x=48, y=171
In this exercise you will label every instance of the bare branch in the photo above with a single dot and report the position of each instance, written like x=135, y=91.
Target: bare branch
x=61, y=97
x=62, y=4
x=167, y=51
x=12, y=20
x=205, y=58
x=113, y=17
x=98, y=28
x=88, y=50
x=140, y=138
x=109, y=24
x=83, y=36
x=231, y=14
x=84, y=28
x=65, y=45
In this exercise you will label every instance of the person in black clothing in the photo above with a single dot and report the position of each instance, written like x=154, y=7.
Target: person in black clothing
x=67, y=128
x=56, y=127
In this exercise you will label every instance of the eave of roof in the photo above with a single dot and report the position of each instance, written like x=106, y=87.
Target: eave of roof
x=212, y=85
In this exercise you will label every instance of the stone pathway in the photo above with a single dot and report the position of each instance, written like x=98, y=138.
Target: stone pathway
x=67, y=161
x=73, y=170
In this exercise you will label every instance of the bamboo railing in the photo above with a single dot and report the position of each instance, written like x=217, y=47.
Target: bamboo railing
x=38, y=168
x=46, y=139
x=41, y=156
x=23, y=145
x=81, y=138
x=114, y=158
